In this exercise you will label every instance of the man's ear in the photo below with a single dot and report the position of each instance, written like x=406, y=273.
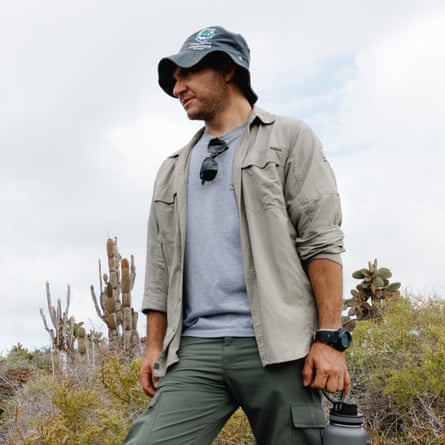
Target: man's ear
x=229, y=71
x=229, y=76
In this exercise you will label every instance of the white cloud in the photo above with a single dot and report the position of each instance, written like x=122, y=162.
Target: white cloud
x=387, y=136
x=138, y=147
x=84, y=127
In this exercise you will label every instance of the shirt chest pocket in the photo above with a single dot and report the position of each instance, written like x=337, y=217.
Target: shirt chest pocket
x=165, y=204
x=263, y=178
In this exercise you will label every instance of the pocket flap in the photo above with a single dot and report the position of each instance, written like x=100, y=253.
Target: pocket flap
x=165, y=195
x=306, y=415
x=260, y=158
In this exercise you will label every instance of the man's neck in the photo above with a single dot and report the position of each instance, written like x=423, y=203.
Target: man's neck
x=230, y=118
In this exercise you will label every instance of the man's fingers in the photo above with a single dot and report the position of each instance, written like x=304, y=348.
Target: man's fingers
x=326, y=368
x=334, y=384
x=347, y=384
x=146, y=385
x=320, y=380
x=331, y=382
x=149, y=388
x=146, y=378
x=308, y=373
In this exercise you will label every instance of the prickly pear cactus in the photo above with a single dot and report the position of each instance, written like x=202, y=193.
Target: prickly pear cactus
x=114, y=303
x=369, y=296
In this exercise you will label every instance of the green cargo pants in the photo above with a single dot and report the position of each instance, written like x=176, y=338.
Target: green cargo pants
x=211, y=380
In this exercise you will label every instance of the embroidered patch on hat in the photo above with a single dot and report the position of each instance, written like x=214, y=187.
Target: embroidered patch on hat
x=205, y=34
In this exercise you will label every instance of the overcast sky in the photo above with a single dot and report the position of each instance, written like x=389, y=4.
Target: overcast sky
x=84, y=128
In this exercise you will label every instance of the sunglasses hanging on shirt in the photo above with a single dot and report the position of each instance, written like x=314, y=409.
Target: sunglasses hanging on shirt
x=209, y=166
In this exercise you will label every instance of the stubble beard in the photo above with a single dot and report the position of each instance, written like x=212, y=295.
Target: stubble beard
x=209, y=107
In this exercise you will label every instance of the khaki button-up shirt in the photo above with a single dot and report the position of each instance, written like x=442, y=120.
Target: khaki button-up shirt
x=289, y=214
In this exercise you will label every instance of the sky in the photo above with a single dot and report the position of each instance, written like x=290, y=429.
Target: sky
x=84, y=127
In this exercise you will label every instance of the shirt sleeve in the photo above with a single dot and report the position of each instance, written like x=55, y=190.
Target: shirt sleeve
x=156, y=268
x=312, y=198
x=156, y=280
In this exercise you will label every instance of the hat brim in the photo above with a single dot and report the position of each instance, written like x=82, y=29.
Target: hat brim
x=188, y=59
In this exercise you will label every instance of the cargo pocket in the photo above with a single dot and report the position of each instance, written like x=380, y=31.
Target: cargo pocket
x=309, y=422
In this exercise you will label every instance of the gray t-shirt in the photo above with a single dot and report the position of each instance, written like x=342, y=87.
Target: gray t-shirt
x=216, y=303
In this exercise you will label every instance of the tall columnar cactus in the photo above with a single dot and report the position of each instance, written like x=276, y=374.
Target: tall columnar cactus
x=65, y=329
x=114, y=305
x=81, y=336
x=370, y=294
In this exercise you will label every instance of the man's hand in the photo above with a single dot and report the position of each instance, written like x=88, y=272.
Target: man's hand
x=325, y=368
x=146, y=374
x=156, y=327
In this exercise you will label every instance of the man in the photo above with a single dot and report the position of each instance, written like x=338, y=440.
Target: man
x=243, y=264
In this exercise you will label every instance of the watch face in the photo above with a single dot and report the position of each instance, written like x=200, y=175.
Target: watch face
x=345, y=339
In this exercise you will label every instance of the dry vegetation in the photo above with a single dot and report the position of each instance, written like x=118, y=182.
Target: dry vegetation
x=91, y=404
x=397, y=367
x=397, y=364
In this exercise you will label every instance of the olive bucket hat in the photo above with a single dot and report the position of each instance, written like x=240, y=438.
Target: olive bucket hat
x=199, y=45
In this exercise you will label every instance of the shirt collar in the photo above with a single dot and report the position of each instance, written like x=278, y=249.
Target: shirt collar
x=263, y=116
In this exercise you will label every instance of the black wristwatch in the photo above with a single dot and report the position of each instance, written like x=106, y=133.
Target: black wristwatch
x=340, y=340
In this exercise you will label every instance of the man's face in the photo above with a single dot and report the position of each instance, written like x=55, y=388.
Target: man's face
x=203, y=92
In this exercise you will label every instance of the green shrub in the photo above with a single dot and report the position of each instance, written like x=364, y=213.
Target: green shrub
x=91, y=405
x=397, y=369
x=84, y=417
x=396, y=363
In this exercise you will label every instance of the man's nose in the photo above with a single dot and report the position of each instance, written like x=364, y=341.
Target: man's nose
x=179, y=87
